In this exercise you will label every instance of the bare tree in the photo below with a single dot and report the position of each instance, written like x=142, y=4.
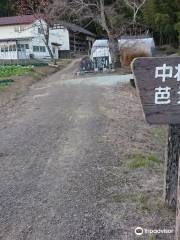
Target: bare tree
x=135, y=5
x=45, y=13
x=106, y=16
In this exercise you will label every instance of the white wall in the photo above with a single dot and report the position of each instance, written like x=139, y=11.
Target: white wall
x=60, y=36
x=7, y=32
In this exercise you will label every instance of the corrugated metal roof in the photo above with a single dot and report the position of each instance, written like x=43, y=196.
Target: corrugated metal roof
x=75, y=28
x=26, y=19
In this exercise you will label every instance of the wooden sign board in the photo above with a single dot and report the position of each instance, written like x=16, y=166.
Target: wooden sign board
x=158, y=82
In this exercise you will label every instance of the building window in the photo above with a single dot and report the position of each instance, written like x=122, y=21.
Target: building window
x=42, y=49
x=39, y=49
x=23, y=46
x=22, y=28
x=2, y=49
x=12, y=48
x=5, y=49
x=35, y=49
x=40, y=30
x=19, y=28
x=19, y=47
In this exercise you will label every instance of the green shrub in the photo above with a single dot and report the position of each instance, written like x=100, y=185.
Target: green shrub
x=13, y=70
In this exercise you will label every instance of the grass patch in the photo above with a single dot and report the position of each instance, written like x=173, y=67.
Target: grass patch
x=13, y=70
x=152, y=237
x=159, y=133
x=141, y=199
x=2, y=88
x=149, y=161
x=4, y=83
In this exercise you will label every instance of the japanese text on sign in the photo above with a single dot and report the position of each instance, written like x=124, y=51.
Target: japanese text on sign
x=163, y=94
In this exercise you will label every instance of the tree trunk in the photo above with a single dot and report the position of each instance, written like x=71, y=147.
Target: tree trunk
x=113, y=42
x=46, y=36
x=51, y=54
x=172, y=162
x=114, y=51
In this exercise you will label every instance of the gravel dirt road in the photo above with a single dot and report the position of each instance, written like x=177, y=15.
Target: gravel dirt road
x=61, y=168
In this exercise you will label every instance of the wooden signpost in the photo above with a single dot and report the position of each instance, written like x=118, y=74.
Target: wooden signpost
x=158, y=83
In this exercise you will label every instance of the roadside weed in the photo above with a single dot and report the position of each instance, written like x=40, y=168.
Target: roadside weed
x=147, y=161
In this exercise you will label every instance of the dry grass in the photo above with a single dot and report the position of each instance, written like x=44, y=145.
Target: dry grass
x=136, y=197
x=129, y=54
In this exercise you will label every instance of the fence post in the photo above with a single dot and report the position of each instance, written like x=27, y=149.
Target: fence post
x=172, y=162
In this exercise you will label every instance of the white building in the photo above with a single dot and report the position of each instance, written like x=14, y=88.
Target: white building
x=21, y=38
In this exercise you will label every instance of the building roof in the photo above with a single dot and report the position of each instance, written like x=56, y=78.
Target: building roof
x=142, y=36
x=75, y=28
x=14, y=39
x=26, y=19
x=101, y=43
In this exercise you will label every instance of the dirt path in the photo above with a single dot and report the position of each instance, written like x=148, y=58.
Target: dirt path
x=22, y=84
x=70, y=166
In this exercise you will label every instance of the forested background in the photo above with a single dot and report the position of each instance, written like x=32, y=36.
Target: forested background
x=7, y=8
x=161, y=17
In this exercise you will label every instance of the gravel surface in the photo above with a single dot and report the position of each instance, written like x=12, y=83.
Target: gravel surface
x=61, y=168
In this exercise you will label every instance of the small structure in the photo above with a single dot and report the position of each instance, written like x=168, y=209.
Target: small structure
x=129, y=47
x=80, y=39
x=100, y=55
